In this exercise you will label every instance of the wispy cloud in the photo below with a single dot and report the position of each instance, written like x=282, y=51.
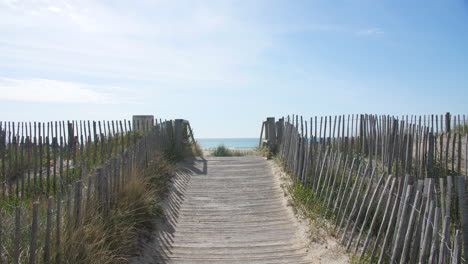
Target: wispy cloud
x=54, y=9
x=52, y=91
x=167, y=41
x=347, y=29
x=370, y=32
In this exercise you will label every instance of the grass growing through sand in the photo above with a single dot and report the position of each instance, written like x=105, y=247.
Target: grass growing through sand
x=223, y=151
x=114, y=238
x=96, y=238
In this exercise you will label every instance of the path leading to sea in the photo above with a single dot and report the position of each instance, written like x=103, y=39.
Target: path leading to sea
x=227, y=210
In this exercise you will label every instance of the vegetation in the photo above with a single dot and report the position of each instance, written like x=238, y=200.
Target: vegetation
x=397, y=156
x=264, y=151
x=96, y=236
x=461, y=129
x=114, y=239
x=223, y=151
x=193, y=150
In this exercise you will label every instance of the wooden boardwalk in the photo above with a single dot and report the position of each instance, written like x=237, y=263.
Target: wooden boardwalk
x=227, y=210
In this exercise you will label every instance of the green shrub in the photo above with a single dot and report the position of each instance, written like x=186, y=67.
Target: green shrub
x=223, y=151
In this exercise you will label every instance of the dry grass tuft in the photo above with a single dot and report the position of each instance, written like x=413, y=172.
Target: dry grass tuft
x=112, y=238
x=115, y=237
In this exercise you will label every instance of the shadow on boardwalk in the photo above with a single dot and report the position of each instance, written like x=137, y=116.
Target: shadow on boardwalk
x=225, y=210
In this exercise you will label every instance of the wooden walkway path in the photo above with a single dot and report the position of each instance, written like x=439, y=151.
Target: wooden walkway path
x=227, y=210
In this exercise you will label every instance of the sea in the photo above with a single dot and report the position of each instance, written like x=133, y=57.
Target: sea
x=234, y=143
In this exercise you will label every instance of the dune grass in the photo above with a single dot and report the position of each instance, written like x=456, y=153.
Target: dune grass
x=223, y=151
x=114, y=238
x=194, y=150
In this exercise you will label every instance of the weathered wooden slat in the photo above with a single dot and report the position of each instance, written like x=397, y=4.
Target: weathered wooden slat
x=463, y=209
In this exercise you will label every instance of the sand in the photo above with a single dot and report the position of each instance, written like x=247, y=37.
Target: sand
x=323, y=247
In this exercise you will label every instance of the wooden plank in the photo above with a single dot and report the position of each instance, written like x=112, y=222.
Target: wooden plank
x=447, y=153
x=391, y=225
x=261, y=134
x=48, y=231
x=54, y=157
x=456, y=255
x=459, y=154
x=321, y=171
x=401, y=227
x=454, y=141
x=41, y=188
x=424, y=249
x=328, y=172
x=463, y=209
x=442, y=196
x=383, y=222
x=58, y=226
x=61, y=165
x=33, y=244
x=448, y=199
x=342, y=199
x=356, y=201
x=409, y=232
x=16, y=252
x=77, y=203
x=342, y=182
x=445, y=240
x=418, y=233
x=48, y=166
x=335, y=179
x=350, y=197
x=435, y=238
x=364, y=202
x=22, y=165
x=69, y=200
x=368, y=213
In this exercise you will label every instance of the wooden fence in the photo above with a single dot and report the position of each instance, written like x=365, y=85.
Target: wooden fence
x=394, y=187
x=44, y=196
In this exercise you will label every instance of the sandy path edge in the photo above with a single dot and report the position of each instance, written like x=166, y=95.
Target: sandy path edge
x=323, y=247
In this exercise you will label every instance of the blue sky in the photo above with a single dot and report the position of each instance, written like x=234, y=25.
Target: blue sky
x=226, y=65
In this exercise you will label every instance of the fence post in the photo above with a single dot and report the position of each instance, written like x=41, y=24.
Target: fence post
x=463, y=211
x=178, y=135
x=105, y=190
x=448, y=118
x=1, y=251
x=456, y=254
x=98, y=187
x=48, y=230
x=58, y=225
x=271, y=133
x=17, y=235
x=190, y=131
x=77, y=211
x=68, y=210
x=279, y=130
x=261, y=134
x=32, y=247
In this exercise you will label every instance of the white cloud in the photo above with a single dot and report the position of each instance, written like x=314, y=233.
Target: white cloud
x=370, y=32
x=51, y=91
x=163, y=41
x=54, y=9
x=175, y=43
x=346, y=29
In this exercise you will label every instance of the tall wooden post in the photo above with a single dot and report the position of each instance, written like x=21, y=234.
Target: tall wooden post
x=178, y=134
x=271, y=133
x=447, y=122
